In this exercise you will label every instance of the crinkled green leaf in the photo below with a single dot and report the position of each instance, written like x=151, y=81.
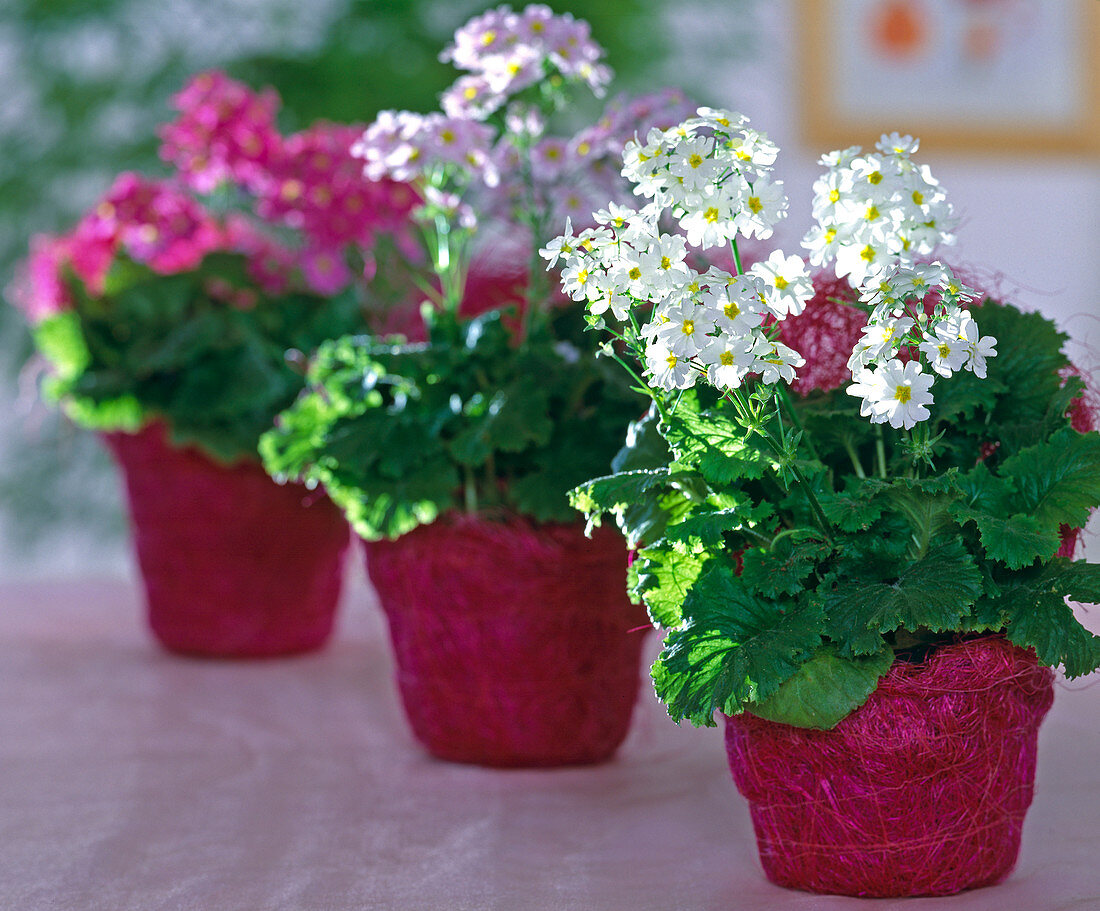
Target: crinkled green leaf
x=933, y=592
x=782, y=569
x=664, y=576
x=1058, y=481
x=825, y=689
x=714, y=443
x=733, y=648
x=1033, y=610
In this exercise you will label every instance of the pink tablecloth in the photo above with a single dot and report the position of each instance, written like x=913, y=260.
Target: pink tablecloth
x=133, y=780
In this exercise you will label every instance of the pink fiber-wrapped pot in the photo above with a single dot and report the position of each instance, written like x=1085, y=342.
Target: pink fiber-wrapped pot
x=515, y=643
x=234, y=565
x=921, y=791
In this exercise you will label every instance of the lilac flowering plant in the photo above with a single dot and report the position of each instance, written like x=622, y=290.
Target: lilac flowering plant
x=791, y=546
x=483, y=407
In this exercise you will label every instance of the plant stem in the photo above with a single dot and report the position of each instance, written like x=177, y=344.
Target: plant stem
x=854, y=456
x=880, y=450
x=470, y=490
x=736, y=256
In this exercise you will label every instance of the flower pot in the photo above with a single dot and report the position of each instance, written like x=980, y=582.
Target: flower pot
x=515, y=644
x=233, y=564
x=921, y=791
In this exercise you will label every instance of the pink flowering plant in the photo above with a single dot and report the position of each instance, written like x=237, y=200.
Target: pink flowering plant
x=491, y=403
x=801, y=524
x=178, y=299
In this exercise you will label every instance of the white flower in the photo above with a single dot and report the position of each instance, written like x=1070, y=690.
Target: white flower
x=896, y=144
x=711, y=224
x=880, y=341
x=895, y=392
x=946, y=352
x=560, y=247
x=718, y=119
x=978, y=348
x=692, y=164
x=776, y=362
x=763, y=206
x=682, y=328
x=788, y=283
x=734, y=304
x=728, y=360
x=667, y=370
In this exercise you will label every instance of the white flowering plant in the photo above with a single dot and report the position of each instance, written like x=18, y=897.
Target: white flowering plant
x=494, y=401
x=795, y=541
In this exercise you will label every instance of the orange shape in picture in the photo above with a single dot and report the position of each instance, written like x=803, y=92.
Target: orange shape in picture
x=899, y=28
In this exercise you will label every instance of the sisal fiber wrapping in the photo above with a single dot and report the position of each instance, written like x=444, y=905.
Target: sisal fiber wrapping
x=233, y=564
x=921, y=791
x=515, y=643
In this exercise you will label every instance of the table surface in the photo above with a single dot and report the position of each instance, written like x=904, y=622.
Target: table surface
x=131, y=779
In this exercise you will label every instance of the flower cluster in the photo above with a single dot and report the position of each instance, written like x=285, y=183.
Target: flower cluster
x=310, y=182
x=506, y=52
x=875, y=213
x=877, y=210
x=919, y=317
x=225, y=133
x=154, y=222
x=711, y=173
x=511, y=171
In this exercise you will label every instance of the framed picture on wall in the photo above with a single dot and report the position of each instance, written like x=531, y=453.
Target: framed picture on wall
x=981, y=75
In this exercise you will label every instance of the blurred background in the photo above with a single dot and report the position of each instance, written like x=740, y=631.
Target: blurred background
x=1004, y=93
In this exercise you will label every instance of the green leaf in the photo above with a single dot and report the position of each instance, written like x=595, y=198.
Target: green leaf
x=850, y=513
x=664, y=577
x=1058, y=481
x=714, y=443
x=825, y=689
x=60, y=339
x=707, y=527
x=1033, y=610
x=781, y=569
x=933, y=592
x=733, y=649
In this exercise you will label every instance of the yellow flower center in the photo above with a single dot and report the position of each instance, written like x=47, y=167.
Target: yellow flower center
x=944, y=350
x=834, y=196
x=731, y=310
x=666, y=263
x=918, y=197
x=726, y=359
x=688, y=328
x=448, y=136
x=830, y=235
x=488, y=38
x=875, y=177
x=671, y=361
x=469, y=93
x=755, y=205
x=582, y=276
x=711, y=215
x=635, y=274
x=867, y=253
x=695, y=160
x=872, y=213
x=903, y=394
x=583, y=148
x=781, y=283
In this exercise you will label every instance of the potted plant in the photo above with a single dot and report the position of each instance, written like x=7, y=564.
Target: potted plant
x=451, y=450
x=166, y=322
x=863, y=568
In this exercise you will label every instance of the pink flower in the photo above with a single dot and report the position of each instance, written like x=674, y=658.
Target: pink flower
x=225, y=132
x=38, y=289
